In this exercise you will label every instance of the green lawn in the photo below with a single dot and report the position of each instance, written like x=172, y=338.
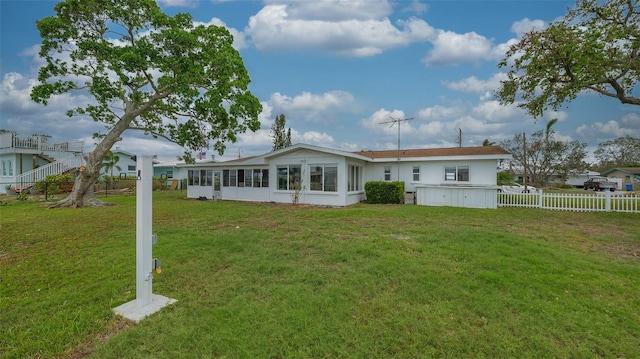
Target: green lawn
x=282, y=281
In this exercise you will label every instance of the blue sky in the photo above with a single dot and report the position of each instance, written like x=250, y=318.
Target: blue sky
x=338, y=69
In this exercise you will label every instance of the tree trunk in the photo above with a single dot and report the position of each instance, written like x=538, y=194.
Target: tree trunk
x=83, y=194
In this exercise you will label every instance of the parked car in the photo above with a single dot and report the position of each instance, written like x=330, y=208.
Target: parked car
x=600, y=184
x=516, y=188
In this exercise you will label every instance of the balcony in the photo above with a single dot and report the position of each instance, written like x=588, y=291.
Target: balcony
x=14, y=142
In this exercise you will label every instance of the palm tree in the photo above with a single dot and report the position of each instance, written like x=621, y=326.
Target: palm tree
x=110, y=162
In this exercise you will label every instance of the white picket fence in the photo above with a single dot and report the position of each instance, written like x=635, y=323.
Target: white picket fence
x=578, y=202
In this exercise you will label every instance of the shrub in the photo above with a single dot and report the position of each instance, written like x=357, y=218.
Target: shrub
x=54, y=184
x=384, y=192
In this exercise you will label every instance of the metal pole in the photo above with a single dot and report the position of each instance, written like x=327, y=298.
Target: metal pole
x=144, y=277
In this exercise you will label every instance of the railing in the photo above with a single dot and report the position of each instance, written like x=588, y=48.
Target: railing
x=27, y=179
x=579, y=202
x=38, y=142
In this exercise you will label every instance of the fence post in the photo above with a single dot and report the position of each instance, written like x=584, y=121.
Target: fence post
x=607, y=200
x=540, y=199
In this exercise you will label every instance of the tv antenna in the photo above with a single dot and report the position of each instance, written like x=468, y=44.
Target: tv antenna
x=397, y=121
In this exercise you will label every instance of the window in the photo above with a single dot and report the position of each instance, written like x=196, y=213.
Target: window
x=216, y=181
x=10, y=166
x=456, y=173
x=200, y=177
x=169, y=174
x=315, y=175
x=416, y=174
x=4, y=168
x=330, y=179
x=240, y=178
x=206, y=177
x=354, y=180
x=225, y=178
x=289, y=177
x=193, y=177
x=387, y=173
x=256, y=178
x=229, y=178
x=131, y=168
x=323, y=178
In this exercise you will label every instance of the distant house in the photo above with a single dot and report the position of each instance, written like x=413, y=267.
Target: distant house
x=126, y=163
x=462, y=177
x=575, y=179
x=626, y=176
x=28, y=158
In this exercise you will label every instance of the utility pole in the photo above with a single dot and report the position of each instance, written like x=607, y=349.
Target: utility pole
x=397, y=121
x=460, y=137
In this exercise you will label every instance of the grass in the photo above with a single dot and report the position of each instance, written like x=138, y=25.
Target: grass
x=267, y=280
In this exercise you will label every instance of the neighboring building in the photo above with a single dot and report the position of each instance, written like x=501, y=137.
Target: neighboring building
x=126, y=163
x=576, y=180
x=28, y=158
x=462, y=177
x=625, y=176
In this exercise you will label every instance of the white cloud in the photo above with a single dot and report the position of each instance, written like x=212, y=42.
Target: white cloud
x=525, y=25
x=450, y=48
x=628, y=125
x=474, y=85
x=178, y=3
x=350, y=28
x=314, y=138
x=312, y=107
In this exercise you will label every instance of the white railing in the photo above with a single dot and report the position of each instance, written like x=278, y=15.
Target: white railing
x=579, y=202
x=38, y=142
x=27, y=179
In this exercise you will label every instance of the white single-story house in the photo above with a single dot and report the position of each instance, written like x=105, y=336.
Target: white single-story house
x=460, y=177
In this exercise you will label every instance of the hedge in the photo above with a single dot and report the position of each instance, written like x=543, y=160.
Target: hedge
x=384, y=192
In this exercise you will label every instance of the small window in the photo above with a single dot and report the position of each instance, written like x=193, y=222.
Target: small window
x=265, y=178
x=131, y=168
x=387, y=173
x=240, y=178
x=449, y=173
x=169, y=174
x=416, y=174
x=463, y=173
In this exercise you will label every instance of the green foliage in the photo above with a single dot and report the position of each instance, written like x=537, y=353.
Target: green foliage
x=163, y=75
x=504, y=178
x=53, y=184
x=545, y=156
x=384, y=192
x=621, y=152
x=594, y=47
x=281, y=138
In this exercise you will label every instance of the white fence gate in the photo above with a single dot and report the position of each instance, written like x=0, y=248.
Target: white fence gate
x=579, y=202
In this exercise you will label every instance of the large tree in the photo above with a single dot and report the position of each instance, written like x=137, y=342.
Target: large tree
x=146, y=71
x=542, y=155
x=621, y=152
x=281, y=138
x=594, y=47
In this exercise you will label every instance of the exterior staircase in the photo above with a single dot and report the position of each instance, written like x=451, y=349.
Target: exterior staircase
x=63, y=165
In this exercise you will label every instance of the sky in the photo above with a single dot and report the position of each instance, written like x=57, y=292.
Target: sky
x=340, y=70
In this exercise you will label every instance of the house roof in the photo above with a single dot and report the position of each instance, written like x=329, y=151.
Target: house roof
x=437, y=152
x=486, y=152
x=629, y=170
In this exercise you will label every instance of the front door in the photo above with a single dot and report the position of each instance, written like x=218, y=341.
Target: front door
x=216, y=184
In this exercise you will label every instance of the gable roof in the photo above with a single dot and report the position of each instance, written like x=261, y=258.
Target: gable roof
x=629, y=170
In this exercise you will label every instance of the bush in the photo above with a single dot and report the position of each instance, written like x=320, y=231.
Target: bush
x=54, y=184
x=384, y=192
